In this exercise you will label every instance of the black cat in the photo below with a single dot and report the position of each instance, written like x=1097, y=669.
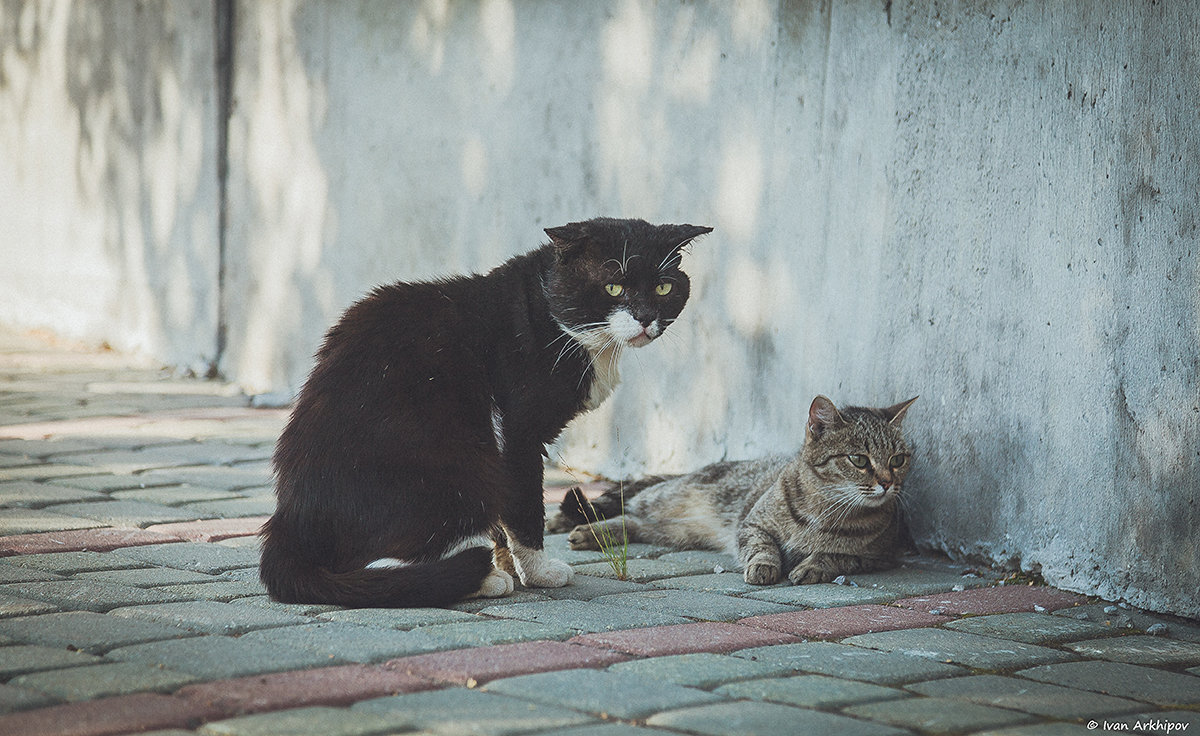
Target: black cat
x=421, y=430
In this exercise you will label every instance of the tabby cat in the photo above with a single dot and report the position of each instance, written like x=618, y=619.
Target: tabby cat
x=419, y=435
x=827, y=511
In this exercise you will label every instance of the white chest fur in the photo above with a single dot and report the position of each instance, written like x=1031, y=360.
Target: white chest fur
x=606, y=374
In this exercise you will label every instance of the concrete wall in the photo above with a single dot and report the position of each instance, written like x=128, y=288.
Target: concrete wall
x=992, y=206
x=108, y=186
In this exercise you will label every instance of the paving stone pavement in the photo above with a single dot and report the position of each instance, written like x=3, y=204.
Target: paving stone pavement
x=129, y=603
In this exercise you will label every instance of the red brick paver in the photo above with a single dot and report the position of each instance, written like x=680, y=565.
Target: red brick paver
x=1003, y=599
x=211, y=530
x=327, y=686
x=661, y=641
x=119, y=715
x=95, y=540
x=477, y=666
x=836, y=623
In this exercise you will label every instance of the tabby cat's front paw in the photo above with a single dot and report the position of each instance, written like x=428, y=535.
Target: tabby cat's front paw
x=759, y=573
x=810, y=574
x=581, y=537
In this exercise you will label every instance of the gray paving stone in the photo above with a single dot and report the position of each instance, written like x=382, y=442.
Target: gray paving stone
x=195, y=556
x=317, y=721
x=347, y=642
x=70, y=563
x=937, y=715
x=125, y=513
x=1141, y=649
x=398, y=618
x=46, y=472
x=520, y=595
x=103, y=680
x=695, y=604
x=22, y=659
x=94, y=633
x=10, y=573
x=910, y=581
x=458, y=711
x=583, y=616
x=644, y=571
x=822, y=595
x=601, y=692
x=811, y=691
x=218, y=590
x=1038, y=729
x=725, y=583
x=11, y=605
x=233, y=508
x=855, y=663
x=13, y=699
x=493, y=631
x=703, y=670
x=717, y=562
x=1121, y=680
x=34, y=521
x=147, y=577
x=213, y=476
x=296, y=609
x=1037, y=698
x=212, y=617
x=1031, y=628
x=972, y=650
x=764, y=719
x=107, y=482
x=173, y=495
x=25, y=494
x=1128, y=618
x=219, y=657
x=608, y=729
x=88, y=595
x=589, y=587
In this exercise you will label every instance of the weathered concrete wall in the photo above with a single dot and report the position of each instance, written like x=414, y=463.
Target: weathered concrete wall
x=992, y=206
x=108, y=186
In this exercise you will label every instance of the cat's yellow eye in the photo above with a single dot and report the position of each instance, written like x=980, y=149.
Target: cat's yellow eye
x=614, y=289
x=858, y=461
x=663, y=289
x=897, y=461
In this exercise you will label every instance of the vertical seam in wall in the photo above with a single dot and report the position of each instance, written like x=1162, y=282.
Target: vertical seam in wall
x=223, y=20
x=821, y=152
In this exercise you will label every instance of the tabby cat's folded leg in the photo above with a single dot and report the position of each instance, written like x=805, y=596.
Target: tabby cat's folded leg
x=759, y=555
x=593, y=536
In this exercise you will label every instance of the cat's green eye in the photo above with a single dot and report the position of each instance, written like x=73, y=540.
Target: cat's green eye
x=614, y=289
x=858, y=461
x=663, y=289
x=897, y=461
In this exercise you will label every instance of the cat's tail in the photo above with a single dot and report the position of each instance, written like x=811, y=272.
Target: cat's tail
x=290, y=580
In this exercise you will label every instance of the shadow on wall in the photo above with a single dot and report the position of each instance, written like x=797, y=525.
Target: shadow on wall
x=112, y=130
x=381, y=141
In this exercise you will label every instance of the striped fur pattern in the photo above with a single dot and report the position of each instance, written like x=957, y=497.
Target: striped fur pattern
x=829, y=510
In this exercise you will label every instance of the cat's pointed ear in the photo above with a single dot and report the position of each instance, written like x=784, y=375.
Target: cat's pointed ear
x=682, y=235
x=567, y=238
x=822, y=415
x=895, y=414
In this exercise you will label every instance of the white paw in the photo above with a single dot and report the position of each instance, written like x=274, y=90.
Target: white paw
x=497, y=584
x=545, y=573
